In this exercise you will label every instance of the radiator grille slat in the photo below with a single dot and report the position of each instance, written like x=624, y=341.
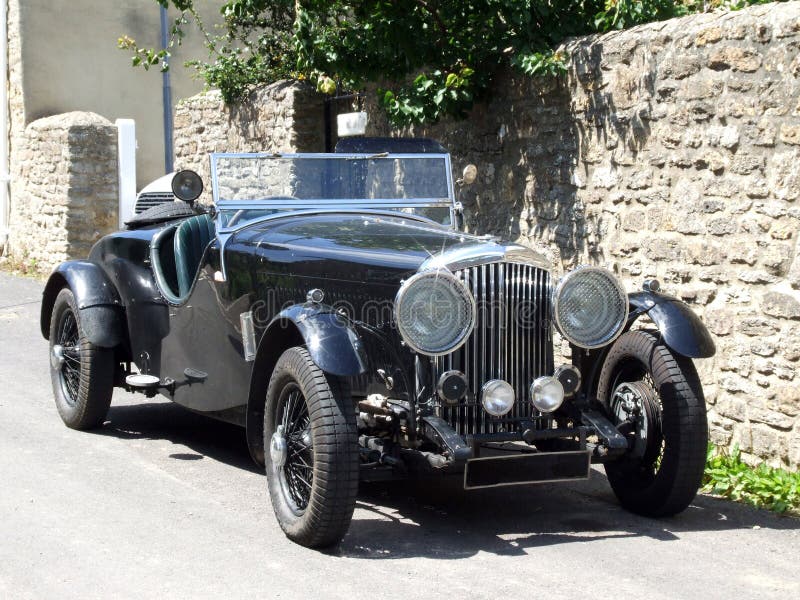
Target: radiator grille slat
x=151, y=199
x=511, y=341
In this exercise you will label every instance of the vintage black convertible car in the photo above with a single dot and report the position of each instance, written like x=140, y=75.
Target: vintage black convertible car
x=329, y=304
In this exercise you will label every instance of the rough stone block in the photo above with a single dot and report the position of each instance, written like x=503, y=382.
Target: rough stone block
x=783, y=175
x=605, y=177
x=732, y=408
x=725, y=136
x=790, y=134
x=744, y=163
x=757, y=327
x=705, y=254
x=736, y=58
x=764, y=441
x=722, y=226
x=756, y=277
x=720, y=321
x=780, y=305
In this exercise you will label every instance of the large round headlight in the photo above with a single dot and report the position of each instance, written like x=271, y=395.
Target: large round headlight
x=590, y=307
x=435, y=312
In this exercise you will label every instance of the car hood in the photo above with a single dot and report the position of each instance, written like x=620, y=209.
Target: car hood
x=367, y=248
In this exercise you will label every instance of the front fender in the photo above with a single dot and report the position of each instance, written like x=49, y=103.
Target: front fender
x=96, y=297
x=681, y=329
x=331, y=340
x=334, y=345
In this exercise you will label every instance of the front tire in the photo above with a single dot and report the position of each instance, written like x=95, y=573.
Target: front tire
x=655, y=396
x=82, y=373
x=310, y=451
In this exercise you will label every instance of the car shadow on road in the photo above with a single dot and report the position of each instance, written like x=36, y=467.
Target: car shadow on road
x=436, y=518
x=164, y=420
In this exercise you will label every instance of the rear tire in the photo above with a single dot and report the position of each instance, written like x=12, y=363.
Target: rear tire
x=661, y=474
x=82, y=373
x=310, y=451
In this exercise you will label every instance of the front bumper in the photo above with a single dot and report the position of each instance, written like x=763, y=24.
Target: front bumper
x=506, y=458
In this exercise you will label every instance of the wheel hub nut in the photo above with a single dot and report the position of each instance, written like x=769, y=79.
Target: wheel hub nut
x=57, y=356
x=278, y=448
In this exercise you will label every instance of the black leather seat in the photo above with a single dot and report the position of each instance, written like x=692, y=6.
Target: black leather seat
x=191, y=239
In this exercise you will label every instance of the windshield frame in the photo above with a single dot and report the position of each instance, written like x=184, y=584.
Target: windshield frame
x=390, y=205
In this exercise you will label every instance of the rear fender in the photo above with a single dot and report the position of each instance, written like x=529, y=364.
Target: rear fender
x=96, y=297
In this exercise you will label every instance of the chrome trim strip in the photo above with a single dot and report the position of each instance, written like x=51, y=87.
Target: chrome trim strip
x=524, y=343
x=514, y=337
x=330, y=155
x=476, y=377
x=501, y=337
x=479, y=253
x=326, y=211
x=306, y=204
x=484, y=335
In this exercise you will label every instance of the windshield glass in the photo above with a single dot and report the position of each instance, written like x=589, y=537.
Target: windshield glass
x=250, y=186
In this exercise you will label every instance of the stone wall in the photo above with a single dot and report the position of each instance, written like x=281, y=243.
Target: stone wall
x=670, y=151
x=65, y=192
x=282, y=117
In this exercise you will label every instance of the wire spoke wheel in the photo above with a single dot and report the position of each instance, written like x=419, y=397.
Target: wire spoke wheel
x=297, y=474
x=82, y=373
x=310, y=450
x=70, y=369
x=655, y=399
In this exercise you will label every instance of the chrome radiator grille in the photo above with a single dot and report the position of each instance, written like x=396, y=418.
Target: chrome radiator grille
x=511, y=341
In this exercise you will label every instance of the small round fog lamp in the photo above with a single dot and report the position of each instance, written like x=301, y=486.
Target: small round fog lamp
x=497, y=397
x=547, y=394
x=452, y=387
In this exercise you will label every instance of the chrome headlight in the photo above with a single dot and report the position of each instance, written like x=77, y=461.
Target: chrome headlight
x=497, y=397
x=590, y=307
x=435, y=312
x=547, y=394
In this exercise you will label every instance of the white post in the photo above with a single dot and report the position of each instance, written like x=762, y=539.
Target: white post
x=126, y=168
x=4, y=206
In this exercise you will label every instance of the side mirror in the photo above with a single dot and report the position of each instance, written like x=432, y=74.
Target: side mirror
x=187, y=186
x=468, y=175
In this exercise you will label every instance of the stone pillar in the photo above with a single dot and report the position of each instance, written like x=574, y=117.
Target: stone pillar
x=66, y=192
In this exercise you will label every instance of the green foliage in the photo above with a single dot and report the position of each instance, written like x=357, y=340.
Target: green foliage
x=762, y=486
x=430, y=97
x=619, y=14
x=257, y=47
x=430, y=58
x=541, y=64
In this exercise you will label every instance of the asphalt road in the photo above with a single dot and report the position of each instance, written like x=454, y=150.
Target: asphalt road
x=162, y=502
